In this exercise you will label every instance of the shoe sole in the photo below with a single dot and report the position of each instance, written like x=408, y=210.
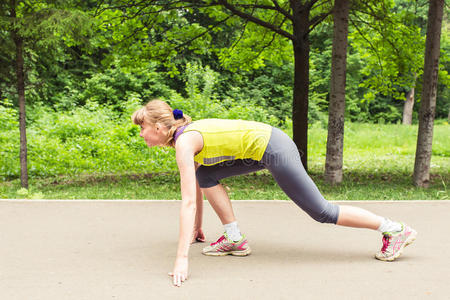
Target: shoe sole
x=412, y=237
x=234, y=253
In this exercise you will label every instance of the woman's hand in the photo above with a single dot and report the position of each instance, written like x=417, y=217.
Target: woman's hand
x=180, y=271
x=198, y=236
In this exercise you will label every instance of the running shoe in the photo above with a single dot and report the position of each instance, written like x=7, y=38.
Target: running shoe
x=225, y=246
x=395, y=242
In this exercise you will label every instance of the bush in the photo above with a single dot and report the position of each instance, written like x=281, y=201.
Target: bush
x=97, y=138
x=9, y=139
x=90, y=139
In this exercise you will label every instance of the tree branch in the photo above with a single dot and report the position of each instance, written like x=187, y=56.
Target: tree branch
x=201, y=34
x=97, y=7
x=240, y=37
x=265, y=46
x=370, y=44
x=319, y=4
x=282, y=10
x=310, y=5
x=172, y=5
x=377, y=15
x=268, y=7
x=382, y=33
x=255, y=20
x=270, y=42
x=317, y=20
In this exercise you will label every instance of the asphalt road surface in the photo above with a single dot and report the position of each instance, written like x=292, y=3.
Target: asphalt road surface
x=125, y=249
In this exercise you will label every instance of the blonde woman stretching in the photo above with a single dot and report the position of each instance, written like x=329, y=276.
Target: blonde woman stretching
x=212, y=149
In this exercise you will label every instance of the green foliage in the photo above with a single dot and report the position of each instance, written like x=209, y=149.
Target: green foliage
x=96, y=138
x=253, y=47
x=390, y=43
x=9, y=139
x=269, y=87
x=116, y=85
x=203, y=102
x=116, y=55
x=8, y=115
x=91, y=139
x=320, y=73
x=374, y=167
x=443, y=91
x=156, y=31
x=113, y=87
x=392, y=48
x=47, y=30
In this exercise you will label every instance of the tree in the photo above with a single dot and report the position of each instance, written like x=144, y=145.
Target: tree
x=389, y=39
x=18, y=41
x=421, y=175
x=272, y=20
x=35, y=26
x=336, y=110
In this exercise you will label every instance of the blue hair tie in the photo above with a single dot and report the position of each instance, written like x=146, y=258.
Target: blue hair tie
x=177, y=114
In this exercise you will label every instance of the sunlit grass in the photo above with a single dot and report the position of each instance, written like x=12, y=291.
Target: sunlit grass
x=380, y=148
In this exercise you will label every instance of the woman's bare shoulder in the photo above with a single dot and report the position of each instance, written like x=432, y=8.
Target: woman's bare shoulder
x=190, y=139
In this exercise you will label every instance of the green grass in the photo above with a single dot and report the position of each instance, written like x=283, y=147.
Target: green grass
x=374, y=149
x=356, y=186
x=378, y=164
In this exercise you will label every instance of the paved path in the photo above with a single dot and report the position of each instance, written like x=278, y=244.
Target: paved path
x=124, y=250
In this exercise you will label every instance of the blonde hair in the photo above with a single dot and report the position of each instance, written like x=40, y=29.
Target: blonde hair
x=158, y=111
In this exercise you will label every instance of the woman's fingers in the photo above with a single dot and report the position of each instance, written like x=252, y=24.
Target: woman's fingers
x=178, y=278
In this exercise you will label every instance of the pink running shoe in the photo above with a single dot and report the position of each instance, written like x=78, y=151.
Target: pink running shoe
x=224, y=246
x=395, y=242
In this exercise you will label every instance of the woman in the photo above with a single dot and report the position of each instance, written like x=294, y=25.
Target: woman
x=212, y=149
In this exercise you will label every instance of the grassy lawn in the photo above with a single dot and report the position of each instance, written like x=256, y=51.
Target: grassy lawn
x=378, y=164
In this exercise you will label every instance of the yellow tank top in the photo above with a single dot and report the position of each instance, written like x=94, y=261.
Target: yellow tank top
x=230, y=139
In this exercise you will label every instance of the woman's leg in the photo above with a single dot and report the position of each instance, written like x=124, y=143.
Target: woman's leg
x=218, y=198
x=352, y=216
x=208, y=178
x=283, y=161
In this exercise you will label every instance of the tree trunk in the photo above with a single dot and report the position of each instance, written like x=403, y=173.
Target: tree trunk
x=18, y=40
x=336, y=110
x=428, y=103
x=301, y=79
x=408, y=108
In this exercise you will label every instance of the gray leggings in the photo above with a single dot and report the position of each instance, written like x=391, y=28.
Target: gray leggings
x=282, y=159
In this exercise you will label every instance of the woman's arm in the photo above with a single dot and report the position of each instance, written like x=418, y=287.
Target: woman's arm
x=198, y=235
x=199, y=214
x=185, y=150
x=188, y=203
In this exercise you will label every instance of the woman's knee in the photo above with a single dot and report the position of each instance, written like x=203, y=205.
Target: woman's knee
x=328, y=214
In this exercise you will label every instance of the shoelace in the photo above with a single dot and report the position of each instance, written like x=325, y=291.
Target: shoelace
x=218, y=241
x=386, y=242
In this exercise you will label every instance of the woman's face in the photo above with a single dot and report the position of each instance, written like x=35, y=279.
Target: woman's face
x=154, y=135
